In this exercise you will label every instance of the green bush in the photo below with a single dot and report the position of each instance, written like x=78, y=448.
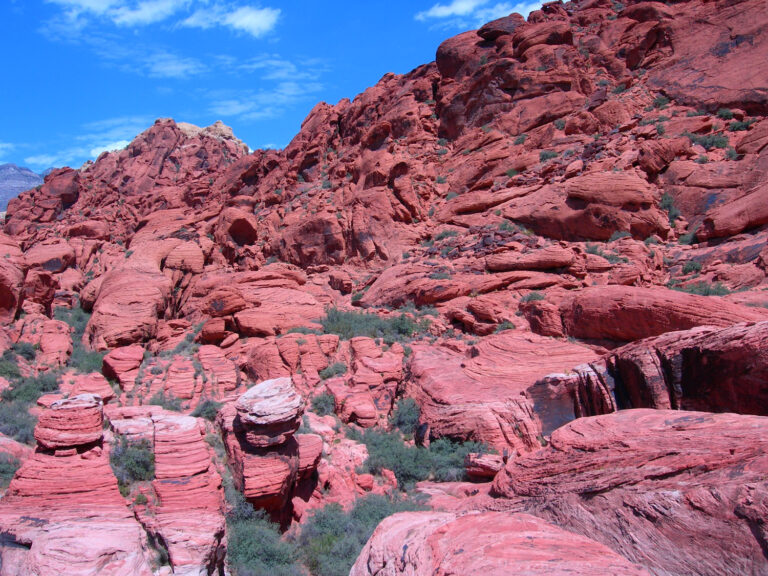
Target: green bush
x=443, y=461
x=532, y=297
x=167, y=401
x=545, y=155
x=17, y=422
x=28, y=390
x=618, y=235
x=725, y=114
x=704, y=289
x=82, y=360
x=132, y=461
x=691, y=266
x=405, y=416
x=708, y=141
x=660, y=102
x=667, y=203
x=24, y=349
x=323, y=404
x=335, y=369
x=254, y=545
x=740, y=126
x=560, y=123
x=8, y=467
x=207, y=409
x=521, y=139
x=9, y=369
x=443, y=234
x=349, y=324
x=687, y=239
x=332, y=539
x=506, y=325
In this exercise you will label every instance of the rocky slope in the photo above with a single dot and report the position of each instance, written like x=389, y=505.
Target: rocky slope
x=552, y=239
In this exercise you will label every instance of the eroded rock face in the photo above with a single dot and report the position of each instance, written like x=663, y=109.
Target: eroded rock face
x=484, y=394
x=659, y=487
x=270, y=412
x=70, y=422
x=422, y=543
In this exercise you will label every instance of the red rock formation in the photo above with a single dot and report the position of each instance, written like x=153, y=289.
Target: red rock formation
x=483, y=543
x=659, y=487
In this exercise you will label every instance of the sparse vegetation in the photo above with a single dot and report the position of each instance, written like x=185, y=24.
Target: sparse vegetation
x=560, y=123
x=443, y=461
x=691, y=266
x=132, y=461
x=83, y=360
x=667, y=203
x=708, y=141
x=332, y=539
x=703, y=288
x=725, y=114
x=207, y=409
x=391, y=329
x=545, y=155
x=166, y=401
x=405, y=416
x=323, y=404
x=335, y=369
x=521, y=139
x=8, y=467
x=506, y=325
x=532, y=297
x=618, y=235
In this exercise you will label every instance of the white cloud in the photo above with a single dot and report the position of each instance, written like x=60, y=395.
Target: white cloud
x=96, y=6
x=5, y=147
x=166, y=65
x=254, y=21
x=147, y=12
x=111, y=147
x=467, y=13
x=268, y=103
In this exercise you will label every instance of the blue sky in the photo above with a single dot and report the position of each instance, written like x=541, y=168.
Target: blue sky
x=82, y=76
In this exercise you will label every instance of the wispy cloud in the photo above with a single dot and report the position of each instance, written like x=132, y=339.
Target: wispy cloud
x=167, y=65
x=95, y=137
x=5, y=147
x=147, y=12
x=472, y=13
x=262, y=104
x=253, y=21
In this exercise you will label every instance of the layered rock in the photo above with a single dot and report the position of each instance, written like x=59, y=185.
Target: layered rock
x=421, y=543
x=267, y=460
x=63, y=513
x=659, y=487
x=486, y=393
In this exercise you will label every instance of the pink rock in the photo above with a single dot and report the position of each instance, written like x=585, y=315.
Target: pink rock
x=419, y=543
x=75, y=421
x=270, y=412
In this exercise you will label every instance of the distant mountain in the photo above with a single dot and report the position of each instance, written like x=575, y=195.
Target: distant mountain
x=14, y=180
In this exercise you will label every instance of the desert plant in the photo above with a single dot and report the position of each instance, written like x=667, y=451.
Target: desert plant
x=545, y=155
x=166, y=401
x=132, y=461
x=532, y=297
x=349, y=324
x=691, y=266
x=335, y=369
x=405, y=416
x=323, y=404
x=207, y=409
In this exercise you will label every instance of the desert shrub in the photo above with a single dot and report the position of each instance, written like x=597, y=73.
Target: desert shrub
x=660, y=102
x=323, y=404
x=725, y=114
x=348, y=324
x=618, y=235
x=24, y=349
x=332, y=539
x=443, y=234
x=28, y=390
x=17, y=422
x=545, y=155
x=335, y=369
x=254, y=545
x=708, y=141
x=731, y=154
x=166, y=401
x=8, y=467
x=506, y=325
x=667, y=203
x=440, y=276
x=740, y=126
x=691, y=266
x=521, y=139
x=560, y=123
x=704, y=289
x=405, y=416
x=82, y=360
x=9, y=369
x=132, y=461
x=511, y=173
x=441, y=180
x=140, y=499
x=532, y=297
x=688, y=238
x=451, y=195
x=207, y=409
x=442, y=461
